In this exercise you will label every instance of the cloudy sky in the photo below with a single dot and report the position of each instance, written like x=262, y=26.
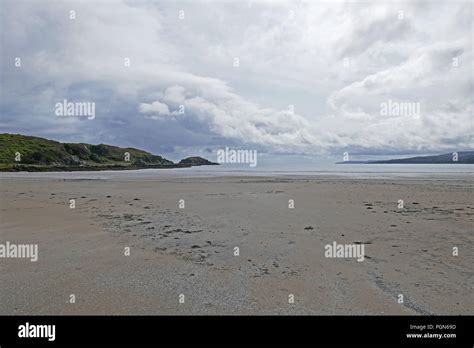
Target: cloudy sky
x=311, y=76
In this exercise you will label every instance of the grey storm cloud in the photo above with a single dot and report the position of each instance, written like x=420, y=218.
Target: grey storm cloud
x=333, y=64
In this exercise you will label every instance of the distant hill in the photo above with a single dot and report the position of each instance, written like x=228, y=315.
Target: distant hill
x=196, y=161
x=28, y=153
x=464, y=157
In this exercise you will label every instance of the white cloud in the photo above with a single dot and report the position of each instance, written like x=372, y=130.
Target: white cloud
x=155, y=108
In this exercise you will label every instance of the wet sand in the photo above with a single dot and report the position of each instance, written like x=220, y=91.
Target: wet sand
x=190, y=251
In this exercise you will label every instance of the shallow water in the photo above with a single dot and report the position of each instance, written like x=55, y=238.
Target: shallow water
x=344, y=170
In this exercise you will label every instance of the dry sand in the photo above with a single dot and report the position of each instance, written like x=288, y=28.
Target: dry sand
x=190, y=251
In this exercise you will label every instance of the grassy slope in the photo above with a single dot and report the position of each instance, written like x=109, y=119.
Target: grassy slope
x=41, y=152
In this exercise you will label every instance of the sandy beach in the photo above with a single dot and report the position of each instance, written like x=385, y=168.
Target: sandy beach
x=191, y=251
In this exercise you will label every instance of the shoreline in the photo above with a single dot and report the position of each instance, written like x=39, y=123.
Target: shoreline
x=152, y=174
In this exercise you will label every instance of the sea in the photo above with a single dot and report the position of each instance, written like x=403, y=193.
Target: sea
x=275, y=169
